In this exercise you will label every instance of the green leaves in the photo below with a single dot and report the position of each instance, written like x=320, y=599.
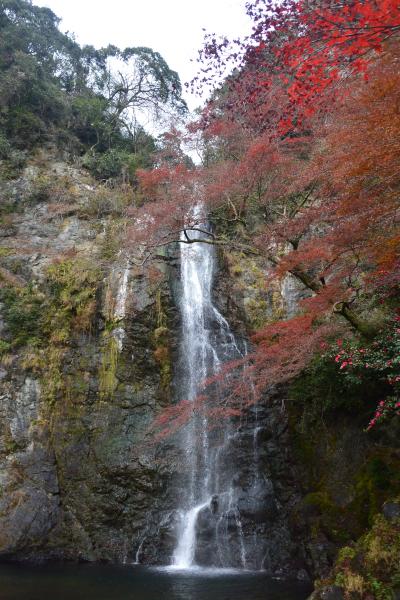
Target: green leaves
x=53, y=90
x=379, y=361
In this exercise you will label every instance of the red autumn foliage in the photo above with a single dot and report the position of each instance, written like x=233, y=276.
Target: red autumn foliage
x=305, y=46
x=308, y=131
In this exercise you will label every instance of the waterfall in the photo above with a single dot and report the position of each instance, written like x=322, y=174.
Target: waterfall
x=184, y=552
x=120, y=307
x=120, y=303
x=209, y=495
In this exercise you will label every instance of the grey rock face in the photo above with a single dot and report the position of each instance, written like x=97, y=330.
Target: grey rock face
x=259, y=502
x=30, y=501
x=78, y=478
x=25, y=410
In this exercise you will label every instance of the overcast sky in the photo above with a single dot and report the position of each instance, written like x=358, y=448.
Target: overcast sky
x=171, y=27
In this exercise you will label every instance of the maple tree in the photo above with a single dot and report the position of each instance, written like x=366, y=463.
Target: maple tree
x=303, y=46
x=338, y=240
x=304, y=135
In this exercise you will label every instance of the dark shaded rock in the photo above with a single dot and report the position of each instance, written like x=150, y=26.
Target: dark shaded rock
x=331, y=592
x=322, y=553
x=206, y=524
x=259, y=502
x=302, y=575
x=391, y=510
x=30, y=503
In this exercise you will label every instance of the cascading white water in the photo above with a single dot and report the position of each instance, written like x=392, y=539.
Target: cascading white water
x=184, y=552
x=120, y=303
x=120, y=307
x=207, y=342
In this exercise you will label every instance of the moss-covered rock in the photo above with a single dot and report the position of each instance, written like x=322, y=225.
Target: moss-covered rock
x=348, y=473
x=370, y=568
x=76, y=400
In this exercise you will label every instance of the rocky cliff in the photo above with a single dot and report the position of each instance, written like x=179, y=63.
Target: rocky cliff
x=89, y=339
x=87, y=345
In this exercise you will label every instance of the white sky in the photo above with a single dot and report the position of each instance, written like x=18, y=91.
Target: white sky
x=171, y=27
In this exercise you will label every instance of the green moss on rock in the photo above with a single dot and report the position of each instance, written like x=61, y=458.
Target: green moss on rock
x=108, y=368
x=371, y=568
x=161, y=345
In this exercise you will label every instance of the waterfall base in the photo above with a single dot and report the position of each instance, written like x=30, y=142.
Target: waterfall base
x=184, y=553
x=102, y=582
x=253, y=525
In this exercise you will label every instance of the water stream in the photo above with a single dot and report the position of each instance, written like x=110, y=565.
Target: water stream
x=209, y=502
x=120, y=307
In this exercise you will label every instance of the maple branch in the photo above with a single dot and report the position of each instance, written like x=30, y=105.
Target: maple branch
x=214, y=242
x=366, y=328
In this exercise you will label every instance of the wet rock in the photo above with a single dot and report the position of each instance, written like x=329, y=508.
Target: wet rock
x=322, y=553
x=302, y=575
x=206, y=524
x=214, y=504
x=258, y=502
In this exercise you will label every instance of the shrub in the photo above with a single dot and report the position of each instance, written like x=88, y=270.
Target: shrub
x=105, y=202
x=105, y=166
x=114, y=164
x=41, y=190
x=4, y=346
x=360, y=363
x=22, y=313
x=13, y=160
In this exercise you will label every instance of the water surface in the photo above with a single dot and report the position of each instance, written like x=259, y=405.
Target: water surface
x=103, y=582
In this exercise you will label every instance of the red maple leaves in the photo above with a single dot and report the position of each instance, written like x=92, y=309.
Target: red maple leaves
x=304, y=47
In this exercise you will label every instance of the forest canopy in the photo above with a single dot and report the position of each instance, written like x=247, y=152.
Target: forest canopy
x=80, y=99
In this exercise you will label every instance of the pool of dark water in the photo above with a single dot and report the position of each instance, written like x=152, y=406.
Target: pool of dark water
x=98, y=582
